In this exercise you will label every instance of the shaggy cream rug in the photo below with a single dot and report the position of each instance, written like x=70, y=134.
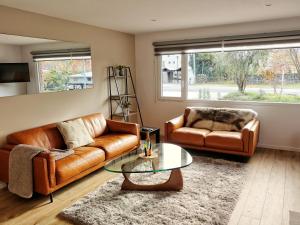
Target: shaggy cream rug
x=211, y=189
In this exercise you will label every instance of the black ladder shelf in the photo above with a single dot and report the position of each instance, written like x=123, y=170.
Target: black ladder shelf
x=120, y=77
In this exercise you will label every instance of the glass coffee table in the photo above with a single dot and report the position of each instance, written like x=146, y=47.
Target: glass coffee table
x=165, y=157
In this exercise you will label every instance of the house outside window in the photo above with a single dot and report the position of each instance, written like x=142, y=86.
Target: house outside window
x=171, y=76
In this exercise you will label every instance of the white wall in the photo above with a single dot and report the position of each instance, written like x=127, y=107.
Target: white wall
x=11, y=54
x=280, y=122
x=108, y=48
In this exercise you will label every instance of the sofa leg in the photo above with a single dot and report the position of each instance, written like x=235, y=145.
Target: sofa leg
x=51, y=197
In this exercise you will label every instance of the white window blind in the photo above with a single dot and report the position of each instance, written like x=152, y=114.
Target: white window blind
x=61, y=54
x=278, y=40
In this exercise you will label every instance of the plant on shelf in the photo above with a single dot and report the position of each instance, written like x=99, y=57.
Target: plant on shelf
x=120, y=69
x=126, y=107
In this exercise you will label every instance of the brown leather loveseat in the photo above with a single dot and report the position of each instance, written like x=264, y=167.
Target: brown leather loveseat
x=111, y=138
x=241, y=142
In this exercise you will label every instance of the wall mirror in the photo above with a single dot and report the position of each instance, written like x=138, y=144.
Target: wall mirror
x=33, y=65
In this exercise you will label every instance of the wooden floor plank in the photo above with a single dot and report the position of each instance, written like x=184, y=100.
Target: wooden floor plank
x=273, y=205
x=257, y=194
x=252, y=169
x=39, y=210
x=244, y=220
x=292, y=186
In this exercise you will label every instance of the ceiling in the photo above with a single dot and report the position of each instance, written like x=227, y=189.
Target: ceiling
x=20, y=40
x=137, y=16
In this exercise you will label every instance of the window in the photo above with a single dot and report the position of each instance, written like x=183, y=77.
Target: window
x=171, y=76
x=63, y=71
x=263, y=71
x=253, y=75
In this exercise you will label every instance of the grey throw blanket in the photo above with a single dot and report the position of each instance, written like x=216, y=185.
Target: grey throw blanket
x=60, y=154
x=20, y=169
x=227, y=119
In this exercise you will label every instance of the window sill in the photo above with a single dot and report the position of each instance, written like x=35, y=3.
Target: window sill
x=231, y=103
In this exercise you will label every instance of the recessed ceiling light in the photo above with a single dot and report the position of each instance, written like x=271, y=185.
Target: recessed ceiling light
x=268, y=3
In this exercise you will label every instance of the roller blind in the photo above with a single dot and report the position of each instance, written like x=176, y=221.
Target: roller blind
x=60, y=54
x=229, y=43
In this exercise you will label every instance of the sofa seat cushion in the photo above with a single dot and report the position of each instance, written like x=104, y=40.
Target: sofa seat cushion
x=189, y=136
x=82, y=159
x=227, y=140
x=115, y=144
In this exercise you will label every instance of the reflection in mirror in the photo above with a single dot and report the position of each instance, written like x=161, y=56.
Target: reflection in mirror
x=33, y=65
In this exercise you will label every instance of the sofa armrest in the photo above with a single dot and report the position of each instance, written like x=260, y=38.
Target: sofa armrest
x=172, y=125
x=44, y=172
x=250, y=136
x=123, y=127
x=4, y=159
x=8, y=147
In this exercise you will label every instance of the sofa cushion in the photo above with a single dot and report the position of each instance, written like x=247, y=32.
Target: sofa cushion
x=75, y=133
x=227, y=140
x=96, y=124
x=189, y=136
x=83, y=159
x=47, y=136
x=115, y=143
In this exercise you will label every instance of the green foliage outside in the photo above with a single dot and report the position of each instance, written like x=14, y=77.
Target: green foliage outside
x=242, y=64
x=269, y=68
x=266, y=97
x=234, y=66
x=56, y=73
x=56, y=80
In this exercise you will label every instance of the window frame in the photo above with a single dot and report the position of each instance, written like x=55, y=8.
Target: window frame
x=183, y=87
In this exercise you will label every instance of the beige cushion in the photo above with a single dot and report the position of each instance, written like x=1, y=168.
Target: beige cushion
x=204, y=124
x=214, y=126
x=75, y=133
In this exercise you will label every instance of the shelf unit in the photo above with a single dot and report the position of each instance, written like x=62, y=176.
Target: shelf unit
x=118, y=97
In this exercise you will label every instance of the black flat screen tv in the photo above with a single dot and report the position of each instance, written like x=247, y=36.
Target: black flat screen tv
x=14, y=72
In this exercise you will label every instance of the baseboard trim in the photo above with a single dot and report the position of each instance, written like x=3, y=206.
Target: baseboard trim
x=276, y=147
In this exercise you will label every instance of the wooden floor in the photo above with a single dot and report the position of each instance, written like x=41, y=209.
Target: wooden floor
x=272, y=189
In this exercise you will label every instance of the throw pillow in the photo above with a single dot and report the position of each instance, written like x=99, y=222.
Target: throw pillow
x=204, y=124
x=75, y=133
x=219, y=126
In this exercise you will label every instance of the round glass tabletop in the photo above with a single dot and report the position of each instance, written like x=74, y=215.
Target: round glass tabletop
x=168, y=157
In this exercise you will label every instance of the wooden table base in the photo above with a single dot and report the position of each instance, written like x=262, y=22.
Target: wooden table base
x=174, y=183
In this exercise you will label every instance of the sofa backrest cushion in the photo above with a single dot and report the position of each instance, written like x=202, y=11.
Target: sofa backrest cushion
x=46, y=136
x=96, y=124
x=49, y=137
x=218, y=119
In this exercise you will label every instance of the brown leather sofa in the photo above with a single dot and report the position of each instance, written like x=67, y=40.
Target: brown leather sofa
x=238, y=143
x=112, y=139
